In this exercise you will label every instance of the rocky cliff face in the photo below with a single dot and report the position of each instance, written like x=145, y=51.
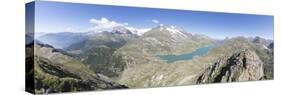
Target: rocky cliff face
x=243, y=66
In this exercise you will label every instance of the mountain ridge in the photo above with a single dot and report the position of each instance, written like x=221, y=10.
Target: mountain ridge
x=133, y=60
x=55, y=72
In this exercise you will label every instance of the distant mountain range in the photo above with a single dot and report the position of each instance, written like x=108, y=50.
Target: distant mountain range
x=61, y=40
x=127, y=57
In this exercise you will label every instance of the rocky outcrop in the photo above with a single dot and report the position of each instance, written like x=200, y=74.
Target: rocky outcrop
x=52, y=71
x=53, y=78
x=243, y=66
x=271, y=45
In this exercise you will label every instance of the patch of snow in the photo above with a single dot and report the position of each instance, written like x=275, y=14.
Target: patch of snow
x=176, y=33
x=138, y=31
x=265, y=47
x=142, y=31
x=173, y=30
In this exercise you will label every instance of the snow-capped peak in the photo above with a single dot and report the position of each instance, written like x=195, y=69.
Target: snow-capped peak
x=174, y=31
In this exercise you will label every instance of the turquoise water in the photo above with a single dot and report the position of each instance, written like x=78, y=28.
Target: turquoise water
x=187, y=56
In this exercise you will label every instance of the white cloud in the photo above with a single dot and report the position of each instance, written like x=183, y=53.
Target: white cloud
x=155, y=21
x=105, y=24
x=69, y=29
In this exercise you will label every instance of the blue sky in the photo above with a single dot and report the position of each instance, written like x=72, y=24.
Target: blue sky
x=62, y=17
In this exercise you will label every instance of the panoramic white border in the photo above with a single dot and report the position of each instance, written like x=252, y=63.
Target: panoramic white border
x=12, y=47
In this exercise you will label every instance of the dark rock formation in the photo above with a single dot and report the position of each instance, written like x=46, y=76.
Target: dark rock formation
x=242, y=66
x=271, y=46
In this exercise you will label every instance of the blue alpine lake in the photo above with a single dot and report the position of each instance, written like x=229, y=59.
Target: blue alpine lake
x=187, y=56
